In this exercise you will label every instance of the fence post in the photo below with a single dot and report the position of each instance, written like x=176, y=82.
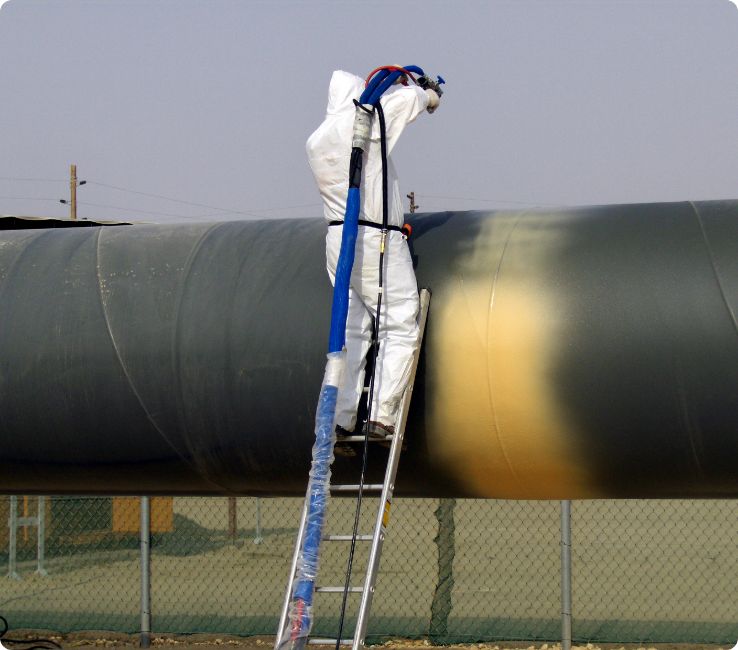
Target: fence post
x=566, y=575
x=258, y=539
x=13, y=538
x=232, y=518
x=41, y=536
x=145, y=641
x=445, y=540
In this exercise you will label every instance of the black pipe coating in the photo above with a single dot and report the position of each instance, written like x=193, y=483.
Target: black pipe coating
x=587, y=352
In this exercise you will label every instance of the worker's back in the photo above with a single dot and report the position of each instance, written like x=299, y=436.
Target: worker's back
x=329, y=148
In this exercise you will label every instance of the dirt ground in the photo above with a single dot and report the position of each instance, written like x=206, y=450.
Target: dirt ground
x=92, y=639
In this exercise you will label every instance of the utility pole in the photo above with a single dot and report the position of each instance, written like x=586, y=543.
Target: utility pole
x=413, y=206
x=73, y=184
x=73, y=192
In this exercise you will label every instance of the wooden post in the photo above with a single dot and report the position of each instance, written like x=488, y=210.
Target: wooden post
x=413, y=206
x=73, y=192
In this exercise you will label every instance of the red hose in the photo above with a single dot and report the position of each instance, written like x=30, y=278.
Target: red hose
x=297, y=622
x=390, y=67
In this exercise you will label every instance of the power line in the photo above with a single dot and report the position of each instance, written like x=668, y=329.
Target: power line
x=466, y=198
x=156, y=196
x=289, y=207
x=175, y=200
x=134, y=211
x=251, y=213
x=40, y=180
x=26, y=198
x=96, y=205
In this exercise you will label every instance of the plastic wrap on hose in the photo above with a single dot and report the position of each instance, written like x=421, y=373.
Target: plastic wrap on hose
x=300, y=617
x=362, y=127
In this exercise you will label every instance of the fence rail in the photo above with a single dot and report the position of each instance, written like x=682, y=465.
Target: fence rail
x=452, y=570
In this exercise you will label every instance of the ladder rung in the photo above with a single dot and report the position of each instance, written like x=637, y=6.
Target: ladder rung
x=362, y=438
x=348, y=538
x=339, y=590
x=330, y=641
x=369, y=487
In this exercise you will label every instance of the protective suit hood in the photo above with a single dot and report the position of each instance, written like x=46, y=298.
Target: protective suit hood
x=343, y=89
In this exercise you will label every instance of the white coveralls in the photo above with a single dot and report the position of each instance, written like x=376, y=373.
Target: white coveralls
x=329, y=153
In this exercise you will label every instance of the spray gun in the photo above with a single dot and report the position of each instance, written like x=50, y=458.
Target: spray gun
x=425, y=82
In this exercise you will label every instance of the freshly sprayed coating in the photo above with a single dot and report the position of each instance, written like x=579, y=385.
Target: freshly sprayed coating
x=496, y=340
x=588, y=352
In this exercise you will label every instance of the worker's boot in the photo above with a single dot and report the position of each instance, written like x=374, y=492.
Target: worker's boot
x=379, y=431
x=343, y=448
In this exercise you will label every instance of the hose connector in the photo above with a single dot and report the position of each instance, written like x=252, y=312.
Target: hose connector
x=362, y=126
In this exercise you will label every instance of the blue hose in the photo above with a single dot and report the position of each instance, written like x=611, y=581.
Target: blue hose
x=300, y=618
x=372, y=93
x=339, y=310
x=323, y=453
x=372, y=85
x=391, y=78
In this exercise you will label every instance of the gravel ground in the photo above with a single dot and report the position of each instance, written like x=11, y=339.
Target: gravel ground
x=94, y=639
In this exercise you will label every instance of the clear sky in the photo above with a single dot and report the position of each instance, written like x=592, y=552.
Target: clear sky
x=210, y=102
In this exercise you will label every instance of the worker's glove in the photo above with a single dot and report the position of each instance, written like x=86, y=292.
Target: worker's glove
x=433, y=100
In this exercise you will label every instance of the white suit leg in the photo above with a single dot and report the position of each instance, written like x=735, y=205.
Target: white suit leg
x=358, y=331
x=358, y=340
x=398, y=331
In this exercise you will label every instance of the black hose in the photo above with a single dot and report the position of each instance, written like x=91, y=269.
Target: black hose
x=4, y=639
x=375, y=353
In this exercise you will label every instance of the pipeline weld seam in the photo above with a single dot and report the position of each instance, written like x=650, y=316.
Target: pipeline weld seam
x=713, y=263
x=724, y=297
x=492, y=295
x=118, y=355
x=177, y=311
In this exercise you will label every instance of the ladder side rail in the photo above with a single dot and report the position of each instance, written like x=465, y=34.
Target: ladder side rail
x=383, y=513
x=375, y=552
x=283, y=620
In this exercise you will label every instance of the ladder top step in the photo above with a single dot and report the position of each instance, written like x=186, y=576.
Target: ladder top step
x=348, y=538
x=362, y=438
x=330, y=641
x=339, y=590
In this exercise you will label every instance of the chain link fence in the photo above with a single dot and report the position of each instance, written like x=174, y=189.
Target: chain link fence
x=451, y=571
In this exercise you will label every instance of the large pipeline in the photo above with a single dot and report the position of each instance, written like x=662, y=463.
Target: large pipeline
x=570, y=353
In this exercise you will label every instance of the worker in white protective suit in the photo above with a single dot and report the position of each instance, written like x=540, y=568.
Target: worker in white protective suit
x=329, y=152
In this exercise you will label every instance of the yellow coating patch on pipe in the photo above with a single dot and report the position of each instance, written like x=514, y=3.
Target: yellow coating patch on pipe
x=497, y=425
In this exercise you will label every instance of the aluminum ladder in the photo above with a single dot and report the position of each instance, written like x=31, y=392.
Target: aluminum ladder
x=376, y=538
